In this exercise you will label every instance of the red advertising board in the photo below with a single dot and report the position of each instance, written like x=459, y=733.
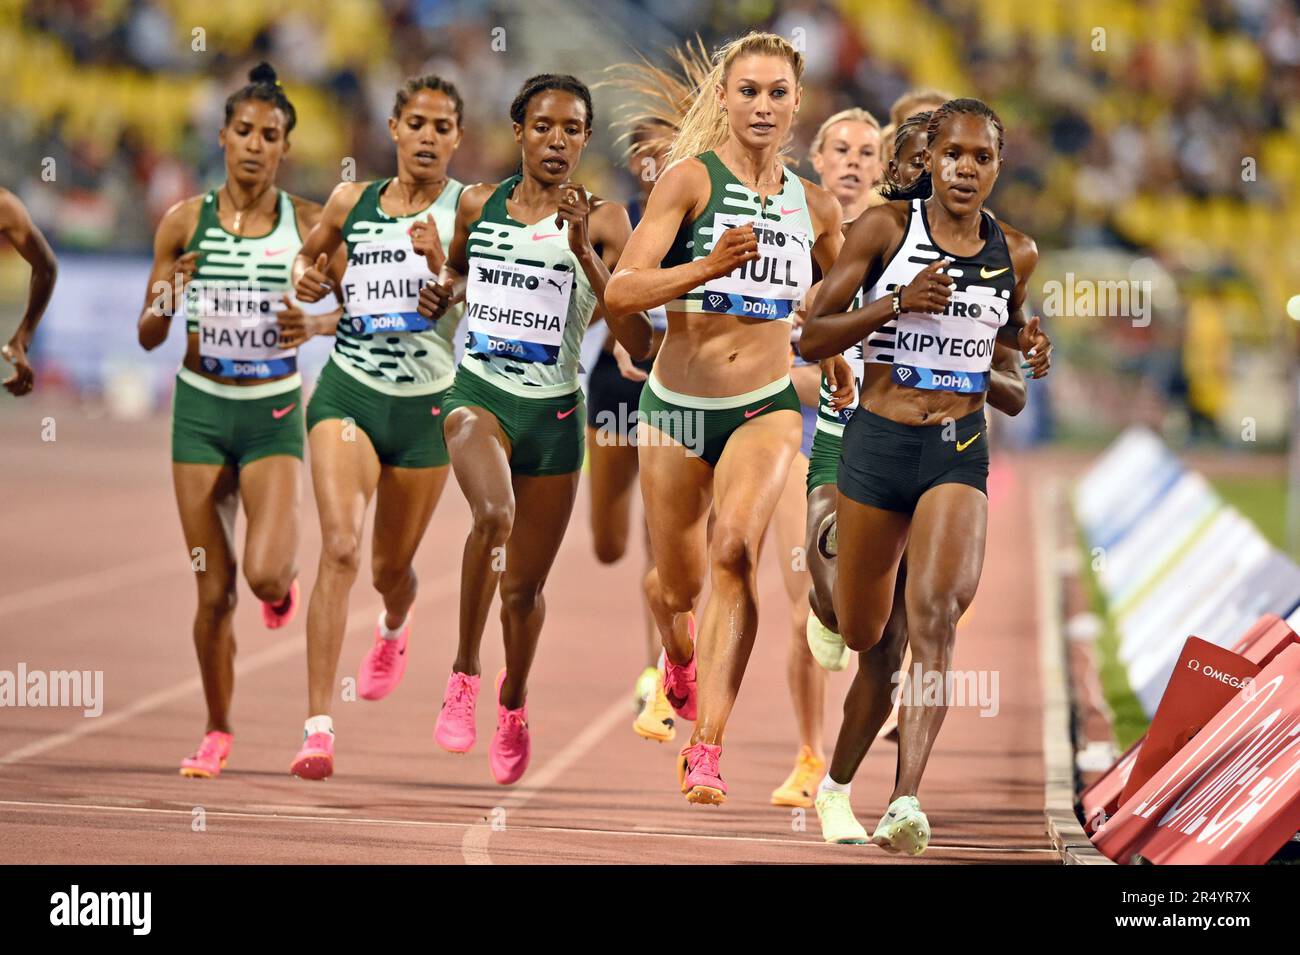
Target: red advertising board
x=1204, y=680
x=1231, y=796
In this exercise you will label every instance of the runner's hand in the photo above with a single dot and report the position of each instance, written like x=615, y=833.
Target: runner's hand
x=737, y=246
x=314, y=284
x=1037, y=348
x=626, y=366
x=296, y=326
x=930, y=291
x=426, y=242
x=180, y=272
x=839, y=379
x=575, y=209
x=434, y=299
x=23, y=379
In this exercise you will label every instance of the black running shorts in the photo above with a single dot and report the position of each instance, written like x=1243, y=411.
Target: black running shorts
x=889, y=465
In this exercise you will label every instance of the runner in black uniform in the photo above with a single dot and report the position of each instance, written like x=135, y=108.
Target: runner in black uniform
x=953, y=281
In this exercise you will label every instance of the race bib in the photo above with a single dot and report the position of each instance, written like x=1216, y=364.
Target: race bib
x=930, y=379
x=952, y=351
x=516, y=311
x=381, y=288
x=239, y=336
x=772, y=285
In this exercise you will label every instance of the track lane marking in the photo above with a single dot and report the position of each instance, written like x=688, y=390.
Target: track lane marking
x=20, y=805
x=474, y=846
x=282, y=649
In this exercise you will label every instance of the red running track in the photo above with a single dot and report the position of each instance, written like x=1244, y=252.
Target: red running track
x=94, y=576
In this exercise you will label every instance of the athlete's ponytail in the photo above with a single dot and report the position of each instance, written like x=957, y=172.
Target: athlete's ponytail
x=661, y=97
x=264, y=85
x=704, y=126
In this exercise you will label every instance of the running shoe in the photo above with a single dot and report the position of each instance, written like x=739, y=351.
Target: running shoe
x=800, y=787
x=679, y=680
x=827, y=647
x=903, y=828
x=455, y=730
x=828, y=538
x=644, y=684
x=316, y=758
x=510, y=748
x=839, y=825
x=697, y=770
x=275, y=616
x=210, y=758
x=384, y=664
x=655, y=721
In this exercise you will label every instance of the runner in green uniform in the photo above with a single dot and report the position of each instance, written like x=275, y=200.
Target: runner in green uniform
x=727, y=243
x=374, y=420
x=223, y=259
x=531, y=256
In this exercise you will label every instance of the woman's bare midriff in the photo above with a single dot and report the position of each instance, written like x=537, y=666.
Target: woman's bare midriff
x=193, y=363
x=881, y=395
x=708, y=355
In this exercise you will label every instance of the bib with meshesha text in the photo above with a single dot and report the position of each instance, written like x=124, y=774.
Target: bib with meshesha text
x=515, y=310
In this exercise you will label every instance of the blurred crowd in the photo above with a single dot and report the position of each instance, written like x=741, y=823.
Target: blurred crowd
x=1164, y=130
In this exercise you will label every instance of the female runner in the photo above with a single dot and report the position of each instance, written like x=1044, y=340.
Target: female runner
x=727, y=244
x=915, y=463
x=373, y=419
x=223, y=259
x=531, y=256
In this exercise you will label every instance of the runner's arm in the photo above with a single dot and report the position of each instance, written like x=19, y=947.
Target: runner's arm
x=610, y=229
x=17, y=226
x=638, y=283
x=1007, y=384
x=829, y=329
x=165, y=295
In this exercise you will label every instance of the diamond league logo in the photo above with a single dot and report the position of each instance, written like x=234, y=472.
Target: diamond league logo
x=717, y=300
x=358, y=325
x=211, y=364
x=904, y=372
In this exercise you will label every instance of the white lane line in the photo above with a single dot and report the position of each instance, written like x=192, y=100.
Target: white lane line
x=280, y=650
x=18, y=805
x=475, y=844
x=96, y=582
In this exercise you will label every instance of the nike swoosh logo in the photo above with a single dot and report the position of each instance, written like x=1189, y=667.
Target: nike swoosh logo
x=279, y=413
x=273, y=252
x=786, y=212
x=986, y=274
x=564, y=414
x=551, y=235
x=750, y=414
x=963, y=445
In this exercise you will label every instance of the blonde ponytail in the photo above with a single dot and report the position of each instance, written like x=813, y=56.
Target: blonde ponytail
x=685, y=102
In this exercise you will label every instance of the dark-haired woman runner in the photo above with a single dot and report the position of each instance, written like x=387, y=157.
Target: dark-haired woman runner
x=374, y=419
x=223, y=260
x=531, y=255
x=953, y=281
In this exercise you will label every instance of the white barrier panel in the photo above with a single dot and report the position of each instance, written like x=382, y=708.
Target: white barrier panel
x=1104, y=495
x=1132, y=564
x=1229, y=547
